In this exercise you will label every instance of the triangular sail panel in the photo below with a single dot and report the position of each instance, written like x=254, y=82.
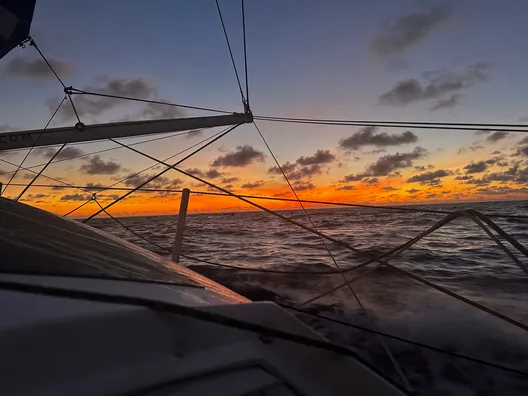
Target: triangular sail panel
x=15, y=21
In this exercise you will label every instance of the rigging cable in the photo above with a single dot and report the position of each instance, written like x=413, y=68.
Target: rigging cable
x=169, y=167
x=344, y=244
x=245, y=55
x=354, y=294
x=230, y=52
x=75, y=91
x=416, y=125
x=33, y=145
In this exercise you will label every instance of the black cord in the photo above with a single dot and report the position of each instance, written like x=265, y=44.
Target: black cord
x=230, y=51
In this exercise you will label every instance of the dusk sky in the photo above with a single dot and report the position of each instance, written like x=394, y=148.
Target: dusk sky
x=455, y=61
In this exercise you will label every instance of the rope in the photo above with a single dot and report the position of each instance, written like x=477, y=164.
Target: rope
x=230, y=52
x=385, y=125
x=397, y=338
x=33, y=145
x=34, y=44
x=348, y=246
x=245, y=54
x=111, y=187
x=163, y=171
x=266, y=333
x=387, y=350
x=75, y=91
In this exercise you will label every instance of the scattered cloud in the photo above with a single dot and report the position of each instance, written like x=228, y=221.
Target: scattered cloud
x=242, y=156
x=352, y=177
x=304, y=186
x=496, y=136
x=96, y=166
x=368, y=136
x=135, y=180
x=320, y=157
x=437, y=85
x=482, y=132
x=522, y=148
x=213, y=174
x=412, y=190
x=347, y=187
x=407, y=31
x=430, y=178
x=370, y=181
x=91, y=106
x=476, y=167
x=255, y=184
x=195, y=172
x=447, y=103
x=157, y=111
x=66, y=152
x=473, y=147
x=75, y=197
x=389, y=188
x=391, y=162
x=37, y=69
x=229, y=179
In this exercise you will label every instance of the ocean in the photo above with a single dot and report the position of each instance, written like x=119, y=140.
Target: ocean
x=458, y=256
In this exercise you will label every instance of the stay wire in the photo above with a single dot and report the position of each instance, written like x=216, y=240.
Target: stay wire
x=401, y=124
x=354, y=294
x=111, y=187
x=245, y=53
x=75, y=91
x=169, y=167
x=230, y=52
x=34, y=44
x=34, y=143
x=330, y=319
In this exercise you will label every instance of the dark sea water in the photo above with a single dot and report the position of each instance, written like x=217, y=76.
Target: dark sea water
x=459, y=256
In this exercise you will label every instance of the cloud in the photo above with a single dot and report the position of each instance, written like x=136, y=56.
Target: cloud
x=320, y=157
x=391, y=162
x=448, y=103
x=159, y=182
x=242, y=156
x=353, y=177
x=96, y=166
x=514, y=174
x=304, y=186
x=66, y=152
x=464, y=177
x=94, y=186
x=91, y=106
x=496, y=136
x=407, y=31
x=389, y=188
x=370, y=181
x=213, y=174
x=37, y=69
x=346, y=188
x=75, y=197
x=476, y=167
x=195, y=172
x=473, y=147
x=477, y=133
x=438, y=84
x=229, y=179
x=287, y=167
x=430, y=178
x=367, y=136
x=413, y=190
x=251, y=185
x=156, y=111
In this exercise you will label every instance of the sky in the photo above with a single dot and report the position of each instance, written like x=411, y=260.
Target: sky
x=431, y=61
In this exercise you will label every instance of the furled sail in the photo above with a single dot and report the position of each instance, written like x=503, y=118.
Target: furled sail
x=15, y=21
